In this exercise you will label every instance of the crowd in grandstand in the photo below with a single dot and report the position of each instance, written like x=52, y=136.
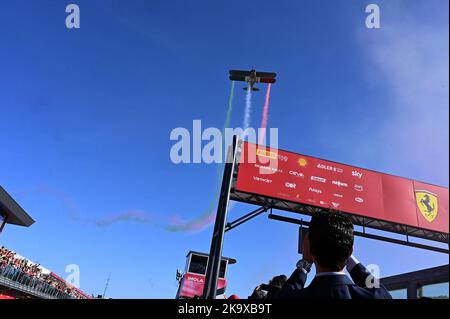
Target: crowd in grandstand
x=19, y=269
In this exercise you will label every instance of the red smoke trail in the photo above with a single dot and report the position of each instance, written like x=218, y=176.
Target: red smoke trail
x=265, y=117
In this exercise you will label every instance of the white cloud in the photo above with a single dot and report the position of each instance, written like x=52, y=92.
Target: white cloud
x=409, y=61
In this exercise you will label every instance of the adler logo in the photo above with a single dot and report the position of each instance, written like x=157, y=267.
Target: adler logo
x=329, y=168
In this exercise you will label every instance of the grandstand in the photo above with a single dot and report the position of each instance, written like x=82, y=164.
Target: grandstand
x=20, y=278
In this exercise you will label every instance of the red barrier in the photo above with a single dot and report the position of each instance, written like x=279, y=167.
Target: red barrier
x=192, y=285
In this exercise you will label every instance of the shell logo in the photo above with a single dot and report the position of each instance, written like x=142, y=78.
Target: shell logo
x=302, y=162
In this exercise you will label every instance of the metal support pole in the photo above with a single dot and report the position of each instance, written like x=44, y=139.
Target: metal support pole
x=245, y=218
x=366, y=235
x=215, y=253
x=2, y=223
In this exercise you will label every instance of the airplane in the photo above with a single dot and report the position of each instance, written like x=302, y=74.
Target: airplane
x=252, y=77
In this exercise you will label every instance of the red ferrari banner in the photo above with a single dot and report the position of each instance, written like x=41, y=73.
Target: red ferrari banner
x=313, y=181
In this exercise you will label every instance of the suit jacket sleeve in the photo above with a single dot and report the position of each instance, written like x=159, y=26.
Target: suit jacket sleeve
x=293, y=285
x=359, y=275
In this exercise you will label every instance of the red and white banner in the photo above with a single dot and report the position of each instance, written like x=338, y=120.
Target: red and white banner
x=192, y=285
x=313, y=181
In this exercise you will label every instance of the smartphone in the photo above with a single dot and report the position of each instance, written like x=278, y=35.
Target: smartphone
x=302, y=231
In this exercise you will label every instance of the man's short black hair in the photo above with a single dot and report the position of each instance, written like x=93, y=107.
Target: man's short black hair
x=331, y=239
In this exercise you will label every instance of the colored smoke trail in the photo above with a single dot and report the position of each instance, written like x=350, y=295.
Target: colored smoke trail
x=171, y=223
x=265, y=117
x=73, y=211
x=176, y=223
x=225, y=125
x=248, y=108
x=230, y=109
x=130, y=215
x=209, y=214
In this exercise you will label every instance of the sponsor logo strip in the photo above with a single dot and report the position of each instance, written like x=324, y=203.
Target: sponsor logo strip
x=266, y=153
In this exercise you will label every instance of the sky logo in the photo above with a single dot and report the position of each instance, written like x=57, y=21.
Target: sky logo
x=357, y=174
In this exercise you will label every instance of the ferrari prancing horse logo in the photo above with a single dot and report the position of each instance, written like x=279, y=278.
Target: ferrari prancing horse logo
x=428, y=204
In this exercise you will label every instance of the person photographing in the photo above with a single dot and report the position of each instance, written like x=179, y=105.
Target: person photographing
x=329, y=246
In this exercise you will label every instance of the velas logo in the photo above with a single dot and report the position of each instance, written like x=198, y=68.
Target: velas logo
x=302, y=162
x=427, y=202
x=266, y=153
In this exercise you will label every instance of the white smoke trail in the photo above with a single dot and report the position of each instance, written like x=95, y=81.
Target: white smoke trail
x=248, y=108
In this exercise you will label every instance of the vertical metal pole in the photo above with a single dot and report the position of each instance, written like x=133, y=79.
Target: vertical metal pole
x=300, y=238
x=2, y=223
x=106, y=286
x=215, y=253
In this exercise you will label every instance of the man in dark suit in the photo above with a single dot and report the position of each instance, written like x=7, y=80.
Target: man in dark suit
x=329, y=245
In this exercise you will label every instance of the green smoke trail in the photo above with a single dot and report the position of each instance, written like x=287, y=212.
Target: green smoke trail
x=225, y=125
x=174, y=224
x=208, y=216
x=132, y=215
x=230, y=109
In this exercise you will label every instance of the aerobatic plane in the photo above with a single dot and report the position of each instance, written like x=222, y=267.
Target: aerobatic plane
x=252, y=77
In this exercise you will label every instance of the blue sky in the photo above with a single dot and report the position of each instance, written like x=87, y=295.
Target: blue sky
x=86, y=118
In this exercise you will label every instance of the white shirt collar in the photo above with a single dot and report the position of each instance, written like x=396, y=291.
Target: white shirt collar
x=331, y=273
